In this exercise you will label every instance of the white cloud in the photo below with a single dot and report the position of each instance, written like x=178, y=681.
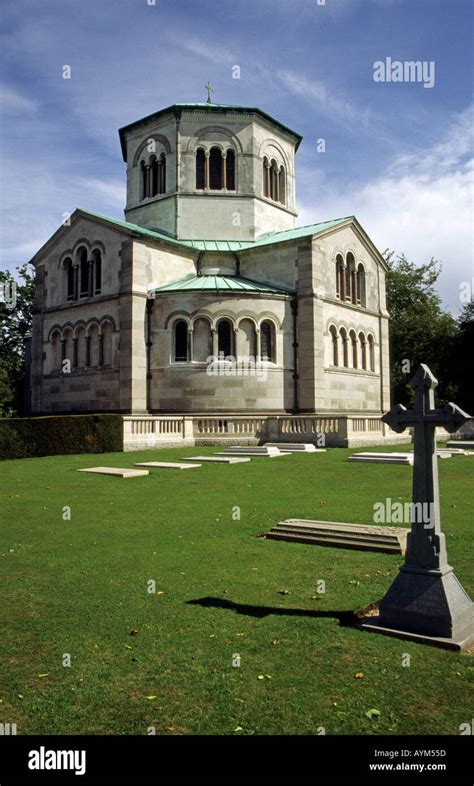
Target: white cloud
x=12, y=101
x=421, y=206
x=113, y=192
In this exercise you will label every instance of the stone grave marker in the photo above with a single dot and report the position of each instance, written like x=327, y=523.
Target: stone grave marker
x=166, y=465
x=426, y=602
x=118, y=472
x=219, y=459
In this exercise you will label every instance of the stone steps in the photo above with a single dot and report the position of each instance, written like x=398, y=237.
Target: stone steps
x=391, y=540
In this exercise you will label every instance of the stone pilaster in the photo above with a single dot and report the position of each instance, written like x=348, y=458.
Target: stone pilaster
x=310, y=327
x=132, y=348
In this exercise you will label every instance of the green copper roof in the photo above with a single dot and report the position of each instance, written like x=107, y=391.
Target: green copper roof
x=266, y=240
x=225, y=245
x=220, y=284
x=201, y=106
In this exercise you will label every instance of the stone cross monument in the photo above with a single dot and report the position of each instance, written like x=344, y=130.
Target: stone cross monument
x=426, y=602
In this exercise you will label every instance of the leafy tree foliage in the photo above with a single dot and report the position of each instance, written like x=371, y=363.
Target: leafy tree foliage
x=461, y=361
x=16, y=307
x=420, y=331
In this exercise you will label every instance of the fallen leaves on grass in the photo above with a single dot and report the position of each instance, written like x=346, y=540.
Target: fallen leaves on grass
x=264, y=677
x=134, y=632
x=151, y=698
x=360, y=675
x=372, y=713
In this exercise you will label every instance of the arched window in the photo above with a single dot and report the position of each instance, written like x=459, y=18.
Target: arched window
x=83, y=272
x=224, y=338
x=144, y=180
x=55, y=355
x=345, y=349
x=350, y=277
x=266, y=177
x=67, y=352
x=155, y=183
x=202, y=343
x=353, y=338
x=69, y=278
x=339, y=277
x=106, y=345
x=80, y=348
x=363, y=351
x=282, y=186
x=181, y=342
x=200, y=169
x=370, y=340
x=274, y=181
x=230, y=170
x=215, y=169
x=334, y=341
x=93, y=335
x=267, y=341
x=361, y=284
x=97, y=271
x=246, y=337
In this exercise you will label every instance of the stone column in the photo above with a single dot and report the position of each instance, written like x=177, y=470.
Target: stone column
x=190, y=345
x=88, y=351
x=75, y=281
x=101, y=350
x=90, y=278
x=224, y=171
x=206, y=170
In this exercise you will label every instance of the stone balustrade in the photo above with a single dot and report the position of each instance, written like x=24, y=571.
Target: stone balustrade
x=154, y=431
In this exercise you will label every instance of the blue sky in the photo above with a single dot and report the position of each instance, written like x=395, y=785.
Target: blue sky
x=398, y=155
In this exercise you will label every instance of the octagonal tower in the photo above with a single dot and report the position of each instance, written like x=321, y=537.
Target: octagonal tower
x=210, y=172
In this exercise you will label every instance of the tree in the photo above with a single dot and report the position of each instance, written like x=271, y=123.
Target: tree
x=461, y=361
x=420, y=331
x=16, y=306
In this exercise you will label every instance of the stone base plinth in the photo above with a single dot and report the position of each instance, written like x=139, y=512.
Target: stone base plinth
x=458, y=644
x=429, y=605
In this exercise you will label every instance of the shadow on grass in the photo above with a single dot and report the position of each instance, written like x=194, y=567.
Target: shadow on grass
x=347, y=619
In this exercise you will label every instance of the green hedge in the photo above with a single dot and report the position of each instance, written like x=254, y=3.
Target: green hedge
x=60, y=434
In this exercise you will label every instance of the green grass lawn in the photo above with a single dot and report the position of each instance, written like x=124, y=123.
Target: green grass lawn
x=80, y=587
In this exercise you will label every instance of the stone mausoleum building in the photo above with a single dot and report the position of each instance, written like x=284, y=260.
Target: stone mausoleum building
x=207, y=307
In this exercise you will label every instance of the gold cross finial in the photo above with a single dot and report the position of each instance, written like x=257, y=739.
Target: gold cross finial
x=210, y=90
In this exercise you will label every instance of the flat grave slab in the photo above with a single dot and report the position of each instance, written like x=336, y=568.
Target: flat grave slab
x=166, y=465
x=116, y=471
x=383, y=458
x=253, y=455
x=465, y=444
x=219, y=459
x=391, y=540
x=295, y=447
